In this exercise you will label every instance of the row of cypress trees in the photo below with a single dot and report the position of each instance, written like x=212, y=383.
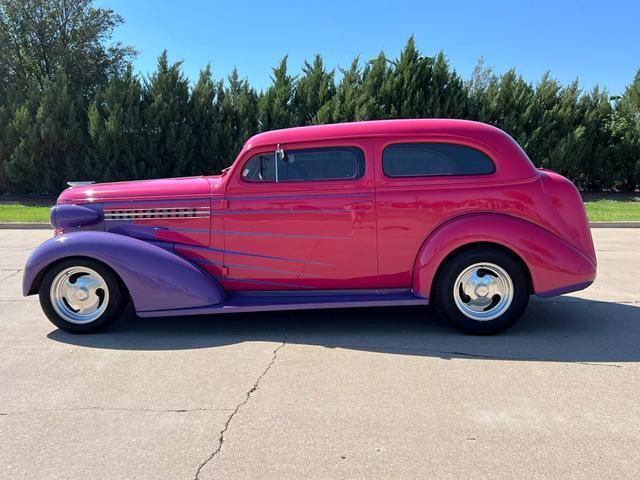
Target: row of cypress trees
x=58, y=123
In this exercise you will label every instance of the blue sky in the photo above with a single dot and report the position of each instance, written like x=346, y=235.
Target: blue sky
x=595, y=41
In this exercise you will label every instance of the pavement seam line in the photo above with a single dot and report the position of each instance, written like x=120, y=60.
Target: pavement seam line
x=118, y=409
x=238, y=407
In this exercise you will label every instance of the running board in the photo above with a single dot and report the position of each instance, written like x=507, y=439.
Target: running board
x=241, y=302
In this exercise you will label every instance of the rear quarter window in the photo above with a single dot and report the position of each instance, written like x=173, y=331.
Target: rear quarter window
x=434, y=159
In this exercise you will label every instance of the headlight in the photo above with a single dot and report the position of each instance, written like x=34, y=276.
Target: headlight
x=72, y=216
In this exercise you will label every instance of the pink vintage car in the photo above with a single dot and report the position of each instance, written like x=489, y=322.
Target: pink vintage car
x=398, y=212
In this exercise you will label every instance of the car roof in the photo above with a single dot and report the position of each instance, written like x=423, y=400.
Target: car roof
x=368, y=129
x=511, y=161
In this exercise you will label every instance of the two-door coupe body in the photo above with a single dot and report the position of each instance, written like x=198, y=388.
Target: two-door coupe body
x=397, y=212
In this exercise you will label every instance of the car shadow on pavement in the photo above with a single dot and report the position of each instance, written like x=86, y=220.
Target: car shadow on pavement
x=564, y=329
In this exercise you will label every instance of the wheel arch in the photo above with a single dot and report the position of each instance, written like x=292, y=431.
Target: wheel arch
x=554, y=265
x=156, y=278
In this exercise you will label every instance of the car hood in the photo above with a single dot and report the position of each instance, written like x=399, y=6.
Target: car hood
x=166, y=188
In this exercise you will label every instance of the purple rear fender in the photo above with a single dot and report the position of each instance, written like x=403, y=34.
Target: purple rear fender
x=156, y=278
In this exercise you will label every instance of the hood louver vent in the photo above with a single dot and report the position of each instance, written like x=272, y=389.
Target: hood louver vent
x=155, y=213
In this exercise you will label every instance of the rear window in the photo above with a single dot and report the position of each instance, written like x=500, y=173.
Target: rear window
x=434, y=159
x=309, y=164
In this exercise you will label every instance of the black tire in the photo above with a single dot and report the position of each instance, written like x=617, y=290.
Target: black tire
x=117, y=296
x=445, y=301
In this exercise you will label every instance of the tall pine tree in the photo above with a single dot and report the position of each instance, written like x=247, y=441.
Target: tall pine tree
x=204, y=118
x=313, y=93
x=50, y=141
x=117, y=130
x=238, y=117
x=170, y=140
x=344, y=104
x=374, y=95
x=624, y=130
x=276, y=105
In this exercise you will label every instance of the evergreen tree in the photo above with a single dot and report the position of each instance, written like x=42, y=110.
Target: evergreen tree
x=276, y=105
x=344, y=104
x=545, y=131
x=624, y=130
x=447, y=97
x=204, y=119
x=117, y=130
x=565, y=145
x=50, y=140
x=6, y=114
x=238, y=118
x=169, y=137
x=596, y=166
x=313, y=93
x=508, y=102
x=21, y=151
x=374, y=97
x=409, y=82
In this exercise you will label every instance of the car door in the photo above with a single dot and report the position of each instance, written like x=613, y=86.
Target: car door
x=312, y=229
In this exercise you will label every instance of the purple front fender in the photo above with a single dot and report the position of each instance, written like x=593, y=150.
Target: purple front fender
x=157, y=279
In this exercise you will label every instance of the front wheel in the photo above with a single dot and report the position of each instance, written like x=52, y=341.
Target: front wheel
x=81, y=295
x=482, y=290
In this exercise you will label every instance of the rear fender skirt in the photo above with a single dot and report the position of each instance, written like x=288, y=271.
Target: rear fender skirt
x=555, y=265
x=156, y=278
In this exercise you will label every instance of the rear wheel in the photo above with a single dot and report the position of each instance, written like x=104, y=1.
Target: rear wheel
x=81, y=295
x=482, y=290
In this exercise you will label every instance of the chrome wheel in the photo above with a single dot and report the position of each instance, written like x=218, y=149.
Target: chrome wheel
x=79, y=295
x=483, y=291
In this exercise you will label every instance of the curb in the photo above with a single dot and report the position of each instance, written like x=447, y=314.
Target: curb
x=47, y=226
x=614, y=224
x=24, y=226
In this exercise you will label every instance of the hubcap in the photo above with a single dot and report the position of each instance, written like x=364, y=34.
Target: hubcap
x=79, y=295
x=483, y=291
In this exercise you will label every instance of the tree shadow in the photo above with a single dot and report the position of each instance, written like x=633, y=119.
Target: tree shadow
x=565, y=329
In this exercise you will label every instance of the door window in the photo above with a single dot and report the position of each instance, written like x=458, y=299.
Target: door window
x=304, y=165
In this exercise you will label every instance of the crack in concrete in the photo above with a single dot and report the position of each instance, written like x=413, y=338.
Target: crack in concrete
x=14, y=272
x=119, y=409
x=237, y=409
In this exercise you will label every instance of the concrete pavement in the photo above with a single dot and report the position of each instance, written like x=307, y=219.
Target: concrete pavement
x=386, y=393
